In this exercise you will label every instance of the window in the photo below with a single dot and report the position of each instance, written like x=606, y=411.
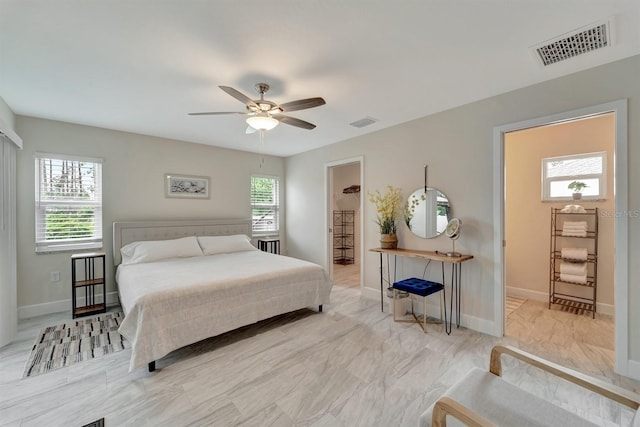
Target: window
x=559, y=172
x=68, y=203
x=265, y=205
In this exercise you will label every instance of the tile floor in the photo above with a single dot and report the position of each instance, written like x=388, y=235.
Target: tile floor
x=349, y=366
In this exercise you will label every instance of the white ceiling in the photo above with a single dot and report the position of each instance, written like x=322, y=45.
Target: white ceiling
x=142, y=65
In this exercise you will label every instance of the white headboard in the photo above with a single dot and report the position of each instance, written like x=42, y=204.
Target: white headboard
x=125, y=232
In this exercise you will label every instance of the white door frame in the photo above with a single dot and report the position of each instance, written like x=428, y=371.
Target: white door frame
x=328, y=192
x=621, y=227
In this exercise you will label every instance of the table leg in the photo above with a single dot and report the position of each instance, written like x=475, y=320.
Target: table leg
x=454, y=291
x=449, y=321
x=381, y=280
x=458, y=296
x=456, y=274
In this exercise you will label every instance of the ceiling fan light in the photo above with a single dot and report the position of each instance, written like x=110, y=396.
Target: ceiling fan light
x=262, y=122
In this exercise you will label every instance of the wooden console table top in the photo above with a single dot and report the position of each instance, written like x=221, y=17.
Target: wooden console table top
x=434, y=255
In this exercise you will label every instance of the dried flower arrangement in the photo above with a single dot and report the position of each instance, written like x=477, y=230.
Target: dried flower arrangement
x=387, y=206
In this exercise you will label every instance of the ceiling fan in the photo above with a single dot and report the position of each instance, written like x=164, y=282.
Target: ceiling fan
x=264, y=114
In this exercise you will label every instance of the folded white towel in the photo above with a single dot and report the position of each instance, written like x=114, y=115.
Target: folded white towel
x=574, y=227
x=579, y=225
x=577, y=268
x=574, y=233
x=578, y=254
x=573, y=209
x=573, y=278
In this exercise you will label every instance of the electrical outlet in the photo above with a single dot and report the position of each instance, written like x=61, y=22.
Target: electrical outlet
x=55, y=276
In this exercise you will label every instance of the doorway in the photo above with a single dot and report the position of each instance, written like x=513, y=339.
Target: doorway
x=344, y=218
x=540, y=164
x=620, y=236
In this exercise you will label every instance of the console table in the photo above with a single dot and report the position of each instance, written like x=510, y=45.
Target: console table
x=456, y=274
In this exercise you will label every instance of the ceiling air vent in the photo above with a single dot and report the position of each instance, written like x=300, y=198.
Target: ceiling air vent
x=583, y=40
x=363, y=122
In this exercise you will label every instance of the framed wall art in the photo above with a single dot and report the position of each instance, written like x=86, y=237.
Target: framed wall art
x=186, y=186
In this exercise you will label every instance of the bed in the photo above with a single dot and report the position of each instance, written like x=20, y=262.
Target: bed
x=180, y=282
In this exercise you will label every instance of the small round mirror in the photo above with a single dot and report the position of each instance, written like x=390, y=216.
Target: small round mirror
x=427, y=214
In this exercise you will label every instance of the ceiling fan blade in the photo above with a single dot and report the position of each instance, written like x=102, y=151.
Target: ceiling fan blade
x=215, y=113
x=239, y=96
x=250, y=130
x=302, y=104
x=295, y=122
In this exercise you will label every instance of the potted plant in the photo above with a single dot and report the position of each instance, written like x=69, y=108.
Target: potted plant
x=577, y=187
x=387, y=207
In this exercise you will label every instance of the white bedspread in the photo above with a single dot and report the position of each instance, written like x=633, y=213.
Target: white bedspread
x=173, y=303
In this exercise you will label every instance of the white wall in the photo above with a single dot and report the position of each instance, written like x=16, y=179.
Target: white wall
x=458, y=147
x=8, y=263
x=7, y=118
x=133, y=179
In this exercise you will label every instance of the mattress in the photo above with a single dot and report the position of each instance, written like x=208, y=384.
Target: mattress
x=173, y=303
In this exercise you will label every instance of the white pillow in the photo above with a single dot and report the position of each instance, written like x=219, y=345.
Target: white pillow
x=212, y=245
x=155, y=250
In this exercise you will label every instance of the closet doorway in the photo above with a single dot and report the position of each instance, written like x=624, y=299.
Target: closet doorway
x=525, y=249
x=344, y=220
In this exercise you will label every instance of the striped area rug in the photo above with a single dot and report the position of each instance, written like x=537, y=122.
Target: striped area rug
x=513, y=304
x=75, y=341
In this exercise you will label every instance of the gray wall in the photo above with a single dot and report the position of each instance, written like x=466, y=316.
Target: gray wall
x=133, y=178
x=458, y=147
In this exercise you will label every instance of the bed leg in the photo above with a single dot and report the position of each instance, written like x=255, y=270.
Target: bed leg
x=320, y=308
x=152, y=366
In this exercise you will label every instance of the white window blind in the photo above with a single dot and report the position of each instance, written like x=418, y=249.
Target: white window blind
x=68, y=203
x=265, y=205
x=588, y=168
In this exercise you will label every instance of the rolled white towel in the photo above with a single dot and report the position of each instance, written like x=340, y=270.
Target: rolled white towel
x=573, y=278
x=577, y=268
x=578, y=254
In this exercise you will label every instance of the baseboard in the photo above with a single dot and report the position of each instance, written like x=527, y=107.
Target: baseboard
x=484, y=325
x=527, y=294
x=471, y=322
x=633, y=369
x=27, y=311
x=601, y=308
x=371, y=293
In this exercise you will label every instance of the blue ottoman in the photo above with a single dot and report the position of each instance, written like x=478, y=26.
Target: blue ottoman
x=420, y=287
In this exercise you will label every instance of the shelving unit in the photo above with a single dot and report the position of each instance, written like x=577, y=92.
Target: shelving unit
x=86, y=276
x=580, y=296
x=343, y=237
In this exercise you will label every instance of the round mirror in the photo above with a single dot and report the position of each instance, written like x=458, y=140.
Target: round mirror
x=427, y=214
